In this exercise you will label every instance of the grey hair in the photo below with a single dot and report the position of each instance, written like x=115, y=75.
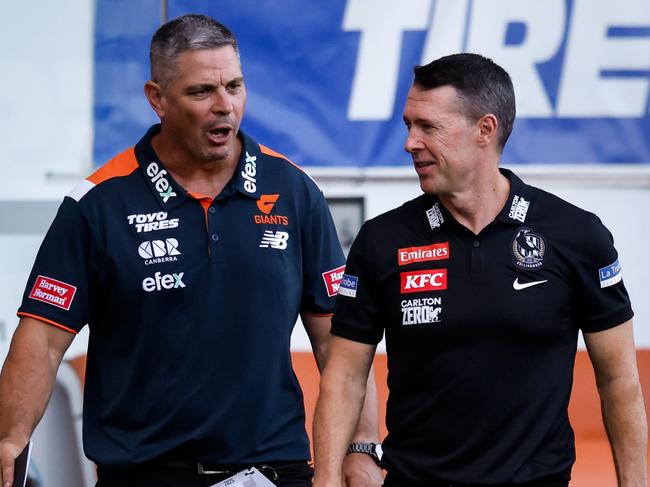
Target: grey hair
x=186, y=33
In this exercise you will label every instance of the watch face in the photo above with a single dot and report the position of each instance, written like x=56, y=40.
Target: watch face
x=379, y=451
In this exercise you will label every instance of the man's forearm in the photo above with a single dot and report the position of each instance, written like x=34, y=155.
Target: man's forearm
x=368, y=427
x=337, y=416
x=26, y=383
x=626, y=424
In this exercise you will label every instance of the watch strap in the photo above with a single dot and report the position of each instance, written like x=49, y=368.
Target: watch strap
x=367, y=448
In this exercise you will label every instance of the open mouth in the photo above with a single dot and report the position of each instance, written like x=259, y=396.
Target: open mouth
x=220, y=133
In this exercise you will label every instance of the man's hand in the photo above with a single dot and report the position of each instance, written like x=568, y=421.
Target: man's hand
x=9, y=451
x=360, y=470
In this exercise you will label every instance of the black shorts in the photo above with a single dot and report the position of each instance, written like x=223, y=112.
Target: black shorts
x=282, y=474
x=552, y=481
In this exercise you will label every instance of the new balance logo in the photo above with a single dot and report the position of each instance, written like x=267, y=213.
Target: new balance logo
x=275, y=240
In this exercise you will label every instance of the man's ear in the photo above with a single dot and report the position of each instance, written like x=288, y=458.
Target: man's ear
x=154, y=94
x=488, y=129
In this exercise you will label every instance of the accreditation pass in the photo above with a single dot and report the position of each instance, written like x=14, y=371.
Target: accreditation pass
x=251, y=477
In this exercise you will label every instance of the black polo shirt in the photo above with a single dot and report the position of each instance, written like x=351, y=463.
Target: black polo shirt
x=190, y=304
x=481, y=331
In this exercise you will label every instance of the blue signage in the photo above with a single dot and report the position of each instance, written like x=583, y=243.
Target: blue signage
x=327, y=80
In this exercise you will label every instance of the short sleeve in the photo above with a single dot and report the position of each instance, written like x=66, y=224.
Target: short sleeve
x=58, y=288
x=602, y=300
x=357, y=314
x=323, y=261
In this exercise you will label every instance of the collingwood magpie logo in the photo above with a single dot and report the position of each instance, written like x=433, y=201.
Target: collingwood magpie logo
x=528, y=249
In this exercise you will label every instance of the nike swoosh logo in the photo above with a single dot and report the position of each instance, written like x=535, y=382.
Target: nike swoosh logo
x=519, y=286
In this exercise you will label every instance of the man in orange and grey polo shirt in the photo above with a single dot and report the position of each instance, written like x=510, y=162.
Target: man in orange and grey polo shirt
x=189, y=256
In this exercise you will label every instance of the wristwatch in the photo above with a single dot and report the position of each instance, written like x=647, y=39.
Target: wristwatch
x=372, y=449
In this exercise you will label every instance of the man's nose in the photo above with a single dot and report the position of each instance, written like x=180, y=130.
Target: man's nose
x=221, y=101
x=412, y=143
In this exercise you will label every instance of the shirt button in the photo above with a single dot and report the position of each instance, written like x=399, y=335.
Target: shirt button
x=212, y=210
x=214, y=237
x=476, y=243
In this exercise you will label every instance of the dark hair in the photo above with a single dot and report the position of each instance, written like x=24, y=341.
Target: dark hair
x=483, y=87
x=186, y=33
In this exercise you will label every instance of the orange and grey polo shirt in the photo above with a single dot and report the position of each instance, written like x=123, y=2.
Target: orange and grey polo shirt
x=190, y=304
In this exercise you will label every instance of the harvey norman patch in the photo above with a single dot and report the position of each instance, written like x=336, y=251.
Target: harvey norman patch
x=332, y=280
x=610, y=275
x=348, y=286
x=51, y=291
x=424, y=253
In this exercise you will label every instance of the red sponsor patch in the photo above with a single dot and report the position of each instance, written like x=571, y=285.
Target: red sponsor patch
x=425, y=253
x=53, y=292
x=332, y=280
x=419, y=281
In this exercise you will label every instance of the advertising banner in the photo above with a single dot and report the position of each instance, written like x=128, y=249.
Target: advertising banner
x=327, y=80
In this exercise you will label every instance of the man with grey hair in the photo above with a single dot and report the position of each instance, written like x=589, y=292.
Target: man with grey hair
x=190, y=257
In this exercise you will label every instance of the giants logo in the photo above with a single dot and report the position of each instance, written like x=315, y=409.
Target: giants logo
x=422, y=254
x=266, y=202
x=332, y=280
x=265, y=205
x=53, y=292
x=427, y=280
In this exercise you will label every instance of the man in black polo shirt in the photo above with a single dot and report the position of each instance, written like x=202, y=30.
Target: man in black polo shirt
x=190, y=257
x=481, y=286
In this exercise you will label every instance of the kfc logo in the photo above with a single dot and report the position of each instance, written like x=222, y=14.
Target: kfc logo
x=419, y=281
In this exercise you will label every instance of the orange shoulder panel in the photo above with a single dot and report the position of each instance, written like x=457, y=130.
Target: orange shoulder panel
x=271, y=152
x=122, y=164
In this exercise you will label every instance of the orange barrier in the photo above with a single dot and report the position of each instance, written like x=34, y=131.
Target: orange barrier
x=594, y=466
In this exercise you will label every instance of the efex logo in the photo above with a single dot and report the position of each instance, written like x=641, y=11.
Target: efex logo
x=160, y=182
x=159, y=282
x=265, y=205
x=427, y=280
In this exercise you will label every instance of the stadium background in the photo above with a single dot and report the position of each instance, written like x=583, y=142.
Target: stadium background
x=326, y=84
